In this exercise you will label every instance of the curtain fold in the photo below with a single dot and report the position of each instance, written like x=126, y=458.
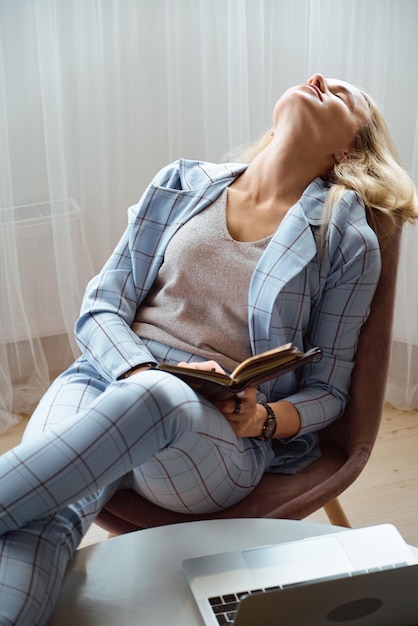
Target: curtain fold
x=97, y=95
x=402, y=388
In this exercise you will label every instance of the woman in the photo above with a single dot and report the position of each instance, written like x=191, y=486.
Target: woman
x=218, y=262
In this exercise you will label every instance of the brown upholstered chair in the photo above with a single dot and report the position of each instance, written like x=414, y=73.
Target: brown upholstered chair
x=345, y=445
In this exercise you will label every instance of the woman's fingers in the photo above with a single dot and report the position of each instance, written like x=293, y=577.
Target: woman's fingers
x=203, y=365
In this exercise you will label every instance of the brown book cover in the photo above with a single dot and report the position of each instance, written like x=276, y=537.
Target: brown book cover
x=251, y=372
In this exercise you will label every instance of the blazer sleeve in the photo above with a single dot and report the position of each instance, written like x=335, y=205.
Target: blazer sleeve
x=350, y=272
x=103, y=329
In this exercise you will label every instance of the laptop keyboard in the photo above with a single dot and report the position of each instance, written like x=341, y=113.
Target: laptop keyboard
x=225, y=607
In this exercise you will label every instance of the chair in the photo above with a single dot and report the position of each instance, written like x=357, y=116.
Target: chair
x=346, y=444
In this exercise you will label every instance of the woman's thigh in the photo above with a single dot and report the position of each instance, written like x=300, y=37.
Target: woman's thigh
x=206, y=468
x=199, y=465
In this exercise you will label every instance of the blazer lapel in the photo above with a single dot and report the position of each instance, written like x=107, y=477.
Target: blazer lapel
x=164, y=208
x=197, y=186
x=291, y=249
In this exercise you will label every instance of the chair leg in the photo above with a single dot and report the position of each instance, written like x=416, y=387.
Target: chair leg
x=335, y=513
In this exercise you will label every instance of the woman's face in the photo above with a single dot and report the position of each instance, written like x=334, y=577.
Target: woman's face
x=327, y=112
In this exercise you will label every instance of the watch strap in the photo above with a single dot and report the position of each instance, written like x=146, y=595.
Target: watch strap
x=270, y=425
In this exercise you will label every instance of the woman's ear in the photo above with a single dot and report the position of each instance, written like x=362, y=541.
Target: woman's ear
x=339, y=157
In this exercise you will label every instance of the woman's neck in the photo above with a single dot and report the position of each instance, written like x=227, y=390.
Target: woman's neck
x=278, y=176
x=259, y=199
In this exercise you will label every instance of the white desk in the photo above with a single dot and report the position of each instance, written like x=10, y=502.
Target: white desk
x=138, y=579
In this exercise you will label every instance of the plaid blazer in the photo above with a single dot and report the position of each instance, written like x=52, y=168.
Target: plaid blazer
x=298, y=291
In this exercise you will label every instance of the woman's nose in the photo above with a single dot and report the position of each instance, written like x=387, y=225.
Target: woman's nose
x=318, y=80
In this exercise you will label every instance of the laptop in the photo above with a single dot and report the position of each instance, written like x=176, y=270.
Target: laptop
x=360, y=577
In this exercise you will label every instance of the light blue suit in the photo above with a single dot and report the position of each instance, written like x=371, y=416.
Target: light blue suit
x=296, y=294
x=93, y=434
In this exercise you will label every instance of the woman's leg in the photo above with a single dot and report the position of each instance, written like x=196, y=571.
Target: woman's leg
x=129, y=423
x=33, y=559
x=78, y=457
x=204, y=469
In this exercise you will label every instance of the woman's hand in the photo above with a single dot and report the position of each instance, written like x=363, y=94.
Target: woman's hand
x=208, y=366
x=243, y=413
x=246, y=417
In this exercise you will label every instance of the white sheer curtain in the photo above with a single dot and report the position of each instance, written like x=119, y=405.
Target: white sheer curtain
x=96, y=95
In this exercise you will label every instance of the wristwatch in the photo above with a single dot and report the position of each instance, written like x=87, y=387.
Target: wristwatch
x=270, y=425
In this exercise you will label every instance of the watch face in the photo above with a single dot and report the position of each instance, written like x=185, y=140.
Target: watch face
x=269, y=427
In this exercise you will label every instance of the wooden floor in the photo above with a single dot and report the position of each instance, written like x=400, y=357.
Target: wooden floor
x=386, y=491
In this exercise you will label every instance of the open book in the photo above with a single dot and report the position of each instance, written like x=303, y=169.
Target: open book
x=251, y=372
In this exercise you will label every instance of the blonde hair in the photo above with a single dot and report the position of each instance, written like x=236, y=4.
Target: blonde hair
x=372, y=169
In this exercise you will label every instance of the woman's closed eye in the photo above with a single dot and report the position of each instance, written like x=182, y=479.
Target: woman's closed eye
x=339, y=94
x=344, y=95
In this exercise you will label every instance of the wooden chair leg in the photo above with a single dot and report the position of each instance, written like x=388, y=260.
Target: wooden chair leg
x=335, y=513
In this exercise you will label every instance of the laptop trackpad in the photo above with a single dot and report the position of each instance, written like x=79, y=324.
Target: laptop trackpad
x=297, y=561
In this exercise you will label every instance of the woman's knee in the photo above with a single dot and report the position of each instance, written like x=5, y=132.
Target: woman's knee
x=170, y=398
x=69, y=394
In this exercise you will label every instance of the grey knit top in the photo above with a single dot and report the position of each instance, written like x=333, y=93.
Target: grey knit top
x=199, y=301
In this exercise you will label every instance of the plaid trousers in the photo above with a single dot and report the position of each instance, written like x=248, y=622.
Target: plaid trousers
x=89, y=438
